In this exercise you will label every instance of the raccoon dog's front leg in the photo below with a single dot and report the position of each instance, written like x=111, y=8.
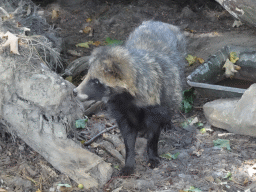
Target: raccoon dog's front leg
x=129, y=136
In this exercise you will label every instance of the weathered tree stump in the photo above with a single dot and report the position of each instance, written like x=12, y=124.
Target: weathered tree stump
x=38, y=105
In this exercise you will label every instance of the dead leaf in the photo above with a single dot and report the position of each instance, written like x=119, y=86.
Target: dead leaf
x=191, y=59
x=87, y=29
x=195, y=120
x=237, y=67
x=94, y=145
x=55, y=14
x=190, y=30
x=85, y=44
x=2, y=190
x=28, y=10
x=12, y=40
x=246, y=181
x=237, y=23
x=88, y=20
x=69, y=78
x=200, y=60
x=74, y=53
x=198, y=153
x=97, y=43
x=233, y=57
x=229, y=68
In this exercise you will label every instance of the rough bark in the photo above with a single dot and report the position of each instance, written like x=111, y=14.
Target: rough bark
x=37, y=104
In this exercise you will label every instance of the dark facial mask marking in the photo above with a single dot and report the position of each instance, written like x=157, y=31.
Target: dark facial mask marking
x=95, y=90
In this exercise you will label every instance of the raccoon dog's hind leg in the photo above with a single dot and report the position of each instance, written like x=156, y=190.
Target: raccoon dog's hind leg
x=152, y=144
x=156, y=117
x=146, y=119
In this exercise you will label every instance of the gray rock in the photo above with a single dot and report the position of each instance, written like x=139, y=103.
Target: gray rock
x=144, y=184
x=235, y=115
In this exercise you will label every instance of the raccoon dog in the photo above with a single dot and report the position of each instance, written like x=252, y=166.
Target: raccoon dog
x=142, y=81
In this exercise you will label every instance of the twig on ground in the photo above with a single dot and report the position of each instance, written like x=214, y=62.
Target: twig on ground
x=99, y=134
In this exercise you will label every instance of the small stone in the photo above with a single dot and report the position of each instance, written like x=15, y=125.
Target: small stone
x=209, y=178
x=144, y=184
x=7, y=161
x=101, y=152
x=21, y=148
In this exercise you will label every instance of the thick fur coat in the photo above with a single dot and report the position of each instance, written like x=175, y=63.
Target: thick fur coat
x=143, y=82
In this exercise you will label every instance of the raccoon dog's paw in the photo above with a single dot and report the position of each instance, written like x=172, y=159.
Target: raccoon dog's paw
x=153, y=163
x=126, y=171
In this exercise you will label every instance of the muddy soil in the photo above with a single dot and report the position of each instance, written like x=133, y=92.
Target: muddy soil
x=200, y=164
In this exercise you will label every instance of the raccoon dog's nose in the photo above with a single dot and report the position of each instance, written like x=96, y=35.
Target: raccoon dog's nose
x=75, y=92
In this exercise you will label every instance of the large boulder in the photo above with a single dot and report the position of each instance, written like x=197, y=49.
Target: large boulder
x=235, y=115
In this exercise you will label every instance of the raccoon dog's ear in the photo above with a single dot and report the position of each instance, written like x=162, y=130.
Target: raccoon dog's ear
x=113, y=70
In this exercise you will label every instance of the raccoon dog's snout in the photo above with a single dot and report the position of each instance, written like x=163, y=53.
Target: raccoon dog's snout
x=80, y=96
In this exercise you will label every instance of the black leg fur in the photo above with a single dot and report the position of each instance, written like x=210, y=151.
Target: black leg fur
x=132, y=119
x=152, y=144
x=156, y=117
x=129, y=136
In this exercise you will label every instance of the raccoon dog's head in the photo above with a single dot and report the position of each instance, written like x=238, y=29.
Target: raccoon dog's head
x=110, y=71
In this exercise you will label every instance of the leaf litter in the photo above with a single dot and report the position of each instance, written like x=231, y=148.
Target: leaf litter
x=222, y=143
x=212, y=162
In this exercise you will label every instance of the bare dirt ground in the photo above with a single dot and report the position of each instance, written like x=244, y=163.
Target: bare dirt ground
x=200, y=164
